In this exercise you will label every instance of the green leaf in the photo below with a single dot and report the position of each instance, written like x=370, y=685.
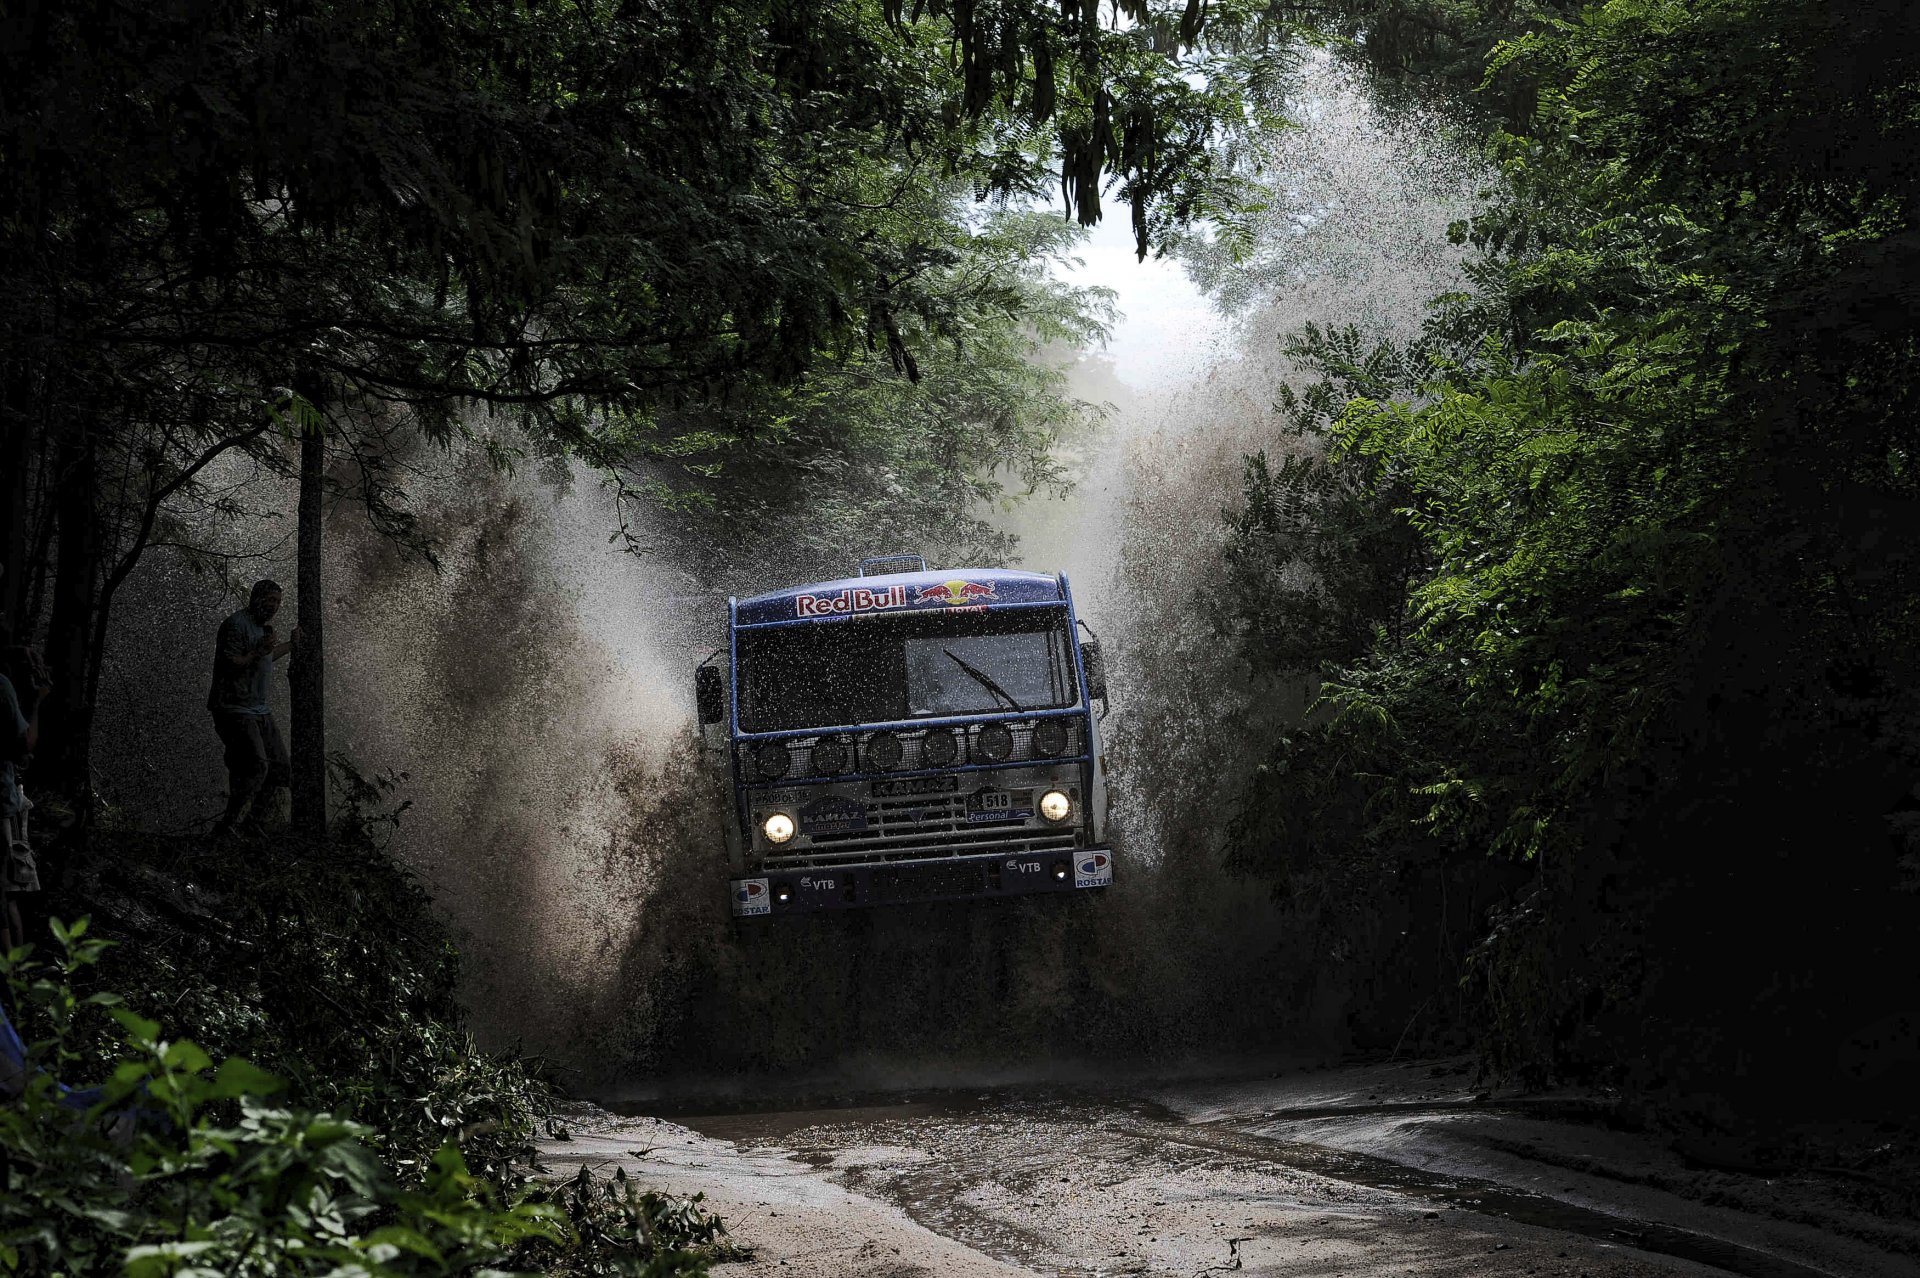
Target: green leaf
x=237, y=1077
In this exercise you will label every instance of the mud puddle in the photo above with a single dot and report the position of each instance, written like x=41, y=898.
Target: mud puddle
x=1254, y=1177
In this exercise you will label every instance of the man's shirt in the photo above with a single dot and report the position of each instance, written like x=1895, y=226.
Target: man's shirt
x=240, y=688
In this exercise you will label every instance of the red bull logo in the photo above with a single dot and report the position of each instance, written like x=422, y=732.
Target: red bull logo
x=954, y=593
x=859, y=599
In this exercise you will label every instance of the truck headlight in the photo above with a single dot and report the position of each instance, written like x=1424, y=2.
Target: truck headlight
x=1055, y=806
x=829, y=756
x=772, y=759
x=884, y=752
x=993, y=743
x=778, y=828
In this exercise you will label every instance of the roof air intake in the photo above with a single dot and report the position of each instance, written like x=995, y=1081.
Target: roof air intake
x=892, y=563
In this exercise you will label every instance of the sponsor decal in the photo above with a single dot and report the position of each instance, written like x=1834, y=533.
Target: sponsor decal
x=750, y=896
x=859, y=599
x=915, y=785
x=955, y=593
x=845, y=602
x=1093, y=869
x=833, y=814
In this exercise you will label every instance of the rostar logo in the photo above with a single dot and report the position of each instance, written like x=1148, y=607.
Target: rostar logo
x=1093, y=869
x=952, y=593
x=750, y=896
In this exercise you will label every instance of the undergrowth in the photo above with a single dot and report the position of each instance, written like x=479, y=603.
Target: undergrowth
x=315, y=1103
x=175, y=1167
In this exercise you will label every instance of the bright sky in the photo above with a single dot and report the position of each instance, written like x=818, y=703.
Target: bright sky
x=1166, y=330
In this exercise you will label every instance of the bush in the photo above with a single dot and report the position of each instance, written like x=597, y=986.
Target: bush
x=177, y=1166
x=323, y=963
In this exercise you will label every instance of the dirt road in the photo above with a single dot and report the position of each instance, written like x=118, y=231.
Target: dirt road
x=1390, y=1170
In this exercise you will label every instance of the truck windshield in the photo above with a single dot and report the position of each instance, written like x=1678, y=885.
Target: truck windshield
x=926, y=665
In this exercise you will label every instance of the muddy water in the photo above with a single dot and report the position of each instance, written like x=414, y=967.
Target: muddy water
x=1087, y=1181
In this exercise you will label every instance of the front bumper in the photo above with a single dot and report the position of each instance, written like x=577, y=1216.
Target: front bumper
x=957, y=878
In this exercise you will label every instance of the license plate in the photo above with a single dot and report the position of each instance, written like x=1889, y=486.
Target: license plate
x=998, y=805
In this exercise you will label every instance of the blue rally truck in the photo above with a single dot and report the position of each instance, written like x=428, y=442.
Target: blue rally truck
x=908, y=735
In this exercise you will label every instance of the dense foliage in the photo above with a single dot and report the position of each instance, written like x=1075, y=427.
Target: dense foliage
x=861, y=457
x=380, y=1139
x=322, y=964
x=632, y=228
x=177, y=1167
x=1607, y=571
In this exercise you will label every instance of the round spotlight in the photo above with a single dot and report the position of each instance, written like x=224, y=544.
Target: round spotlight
x=829, y=756
x=783, y=893
x=1050, y=738
x=778, y=828
x=884, y=752
x=994, y=743
x=1060, y=870
x=939, y=749
x=1055, y=806
x=772, y=759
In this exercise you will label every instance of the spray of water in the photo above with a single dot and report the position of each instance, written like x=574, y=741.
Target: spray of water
x=537, y=690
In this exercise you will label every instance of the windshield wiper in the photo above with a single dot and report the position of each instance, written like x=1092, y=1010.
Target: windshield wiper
x=985, y=680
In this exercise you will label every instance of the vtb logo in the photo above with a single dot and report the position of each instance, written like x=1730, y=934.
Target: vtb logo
x=954, y=592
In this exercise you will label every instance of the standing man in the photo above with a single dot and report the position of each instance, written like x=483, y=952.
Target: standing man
x=23, y=686
x=243, y=657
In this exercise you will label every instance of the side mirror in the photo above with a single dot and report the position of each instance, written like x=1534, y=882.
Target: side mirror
x=1096, y=668
x=709, y=694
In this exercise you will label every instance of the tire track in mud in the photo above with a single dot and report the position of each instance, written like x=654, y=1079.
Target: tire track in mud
x=1482, y=1196
x=1073, y=1183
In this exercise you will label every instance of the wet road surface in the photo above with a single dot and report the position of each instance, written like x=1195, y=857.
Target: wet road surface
x=1347, y=1174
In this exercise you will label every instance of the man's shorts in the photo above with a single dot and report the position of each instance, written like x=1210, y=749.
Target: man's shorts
x=21, y=871
x=254, y=749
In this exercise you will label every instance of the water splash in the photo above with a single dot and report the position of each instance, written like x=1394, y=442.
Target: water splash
x=537, y=690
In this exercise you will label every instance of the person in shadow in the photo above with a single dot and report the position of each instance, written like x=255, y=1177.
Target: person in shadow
x=243, y=655
x=23, y=686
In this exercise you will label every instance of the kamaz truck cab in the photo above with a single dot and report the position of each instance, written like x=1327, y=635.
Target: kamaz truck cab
x=908, y=735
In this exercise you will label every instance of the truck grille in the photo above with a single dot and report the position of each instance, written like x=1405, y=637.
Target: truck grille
x=922, y=827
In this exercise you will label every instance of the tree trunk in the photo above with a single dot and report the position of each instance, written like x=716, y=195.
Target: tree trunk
x=14, y=439
x=308, y=671
x=63, y=764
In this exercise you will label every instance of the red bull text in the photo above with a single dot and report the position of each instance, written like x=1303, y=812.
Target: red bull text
x=859, y=599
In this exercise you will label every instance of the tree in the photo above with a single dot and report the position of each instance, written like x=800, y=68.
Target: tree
x=1663, y=650
x=607, y=220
